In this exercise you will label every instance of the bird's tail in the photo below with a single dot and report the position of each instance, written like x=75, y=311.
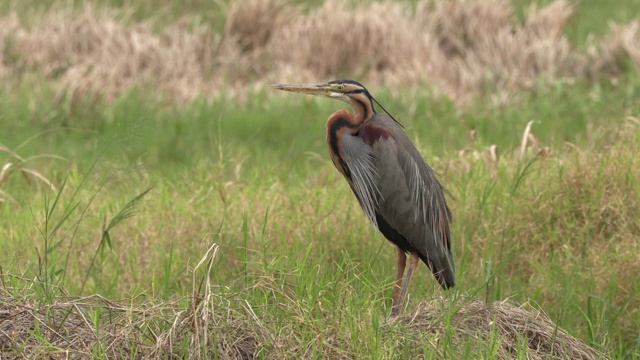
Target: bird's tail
x=443, y=269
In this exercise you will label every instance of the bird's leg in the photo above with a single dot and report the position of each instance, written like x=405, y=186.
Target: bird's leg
x=402, y=263
x=413, y=264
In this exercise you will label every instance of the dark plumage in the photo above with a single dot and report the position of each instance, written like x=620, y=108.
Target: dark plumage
x=396, y=189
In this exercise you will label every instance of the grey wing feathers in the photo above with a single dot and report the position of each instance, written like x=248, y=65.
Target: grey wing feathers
x=427, y=194
x=414, y=203
x=364, y=175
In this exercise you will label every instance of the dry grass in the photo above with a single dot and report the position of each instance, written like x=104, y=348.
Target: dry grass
x=15, y=164
x=461, y=48
x=95, y=51
x=68, y=326
x=513, y=328
x=611, y=54
x=76, y=328
x=213, y=326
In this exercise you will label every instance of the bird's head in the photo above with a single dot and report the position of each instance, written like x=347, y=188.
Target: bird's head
x=345, y=90
x=349, y=91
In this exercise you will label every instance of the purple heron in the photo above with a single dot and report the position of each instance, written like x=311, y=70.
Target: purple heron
x=397, y=190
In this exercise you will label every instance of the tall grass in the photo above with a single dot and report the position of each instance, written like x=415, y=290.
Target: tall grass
x=251, y=244
x=554, y=227
x=460, y=49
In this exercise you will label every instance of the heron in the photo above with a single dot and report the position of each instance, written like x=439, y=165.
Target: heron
x=398, y=192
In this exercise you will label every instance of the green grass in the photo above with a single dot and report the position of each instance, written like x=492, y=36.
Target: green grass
x=256, y=179
x=295, y=250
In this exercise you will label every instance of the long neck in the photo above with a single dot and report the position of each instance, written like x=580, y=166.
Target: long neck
x=340, y=123
x=344, y=123
x=363, y=109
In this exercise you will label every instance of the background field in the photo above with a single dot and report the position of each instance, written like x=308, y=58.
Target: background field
x=104, y=100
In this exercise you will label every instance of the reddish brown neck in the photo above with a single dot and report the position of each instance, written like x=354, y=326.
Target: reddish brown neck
x=362, y=108
x=340, y=123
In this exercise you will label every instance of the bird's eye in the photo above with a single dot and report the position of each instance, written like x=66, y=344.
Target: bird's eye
x=340, y=87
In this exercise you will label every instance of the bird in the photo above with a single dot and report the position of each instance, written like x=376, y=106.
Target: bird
x=398, y=192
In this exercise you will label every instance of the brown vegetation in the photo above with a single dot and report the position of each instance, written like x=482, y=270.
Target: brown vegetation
x=458, y=48
x=513, y=327
x=76, y=328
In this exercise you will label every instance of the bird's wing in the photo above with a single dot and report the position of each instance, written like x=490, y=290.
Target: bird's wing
x=427, y=194
x=364, y=176
x=411, y=199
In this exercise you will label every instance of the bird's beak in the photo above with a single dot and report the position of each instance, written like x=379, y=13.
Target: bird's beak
x=311, y=89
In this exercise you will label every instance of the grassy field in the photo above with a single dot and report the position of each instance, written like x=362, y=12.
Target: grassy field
x=143, y=186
